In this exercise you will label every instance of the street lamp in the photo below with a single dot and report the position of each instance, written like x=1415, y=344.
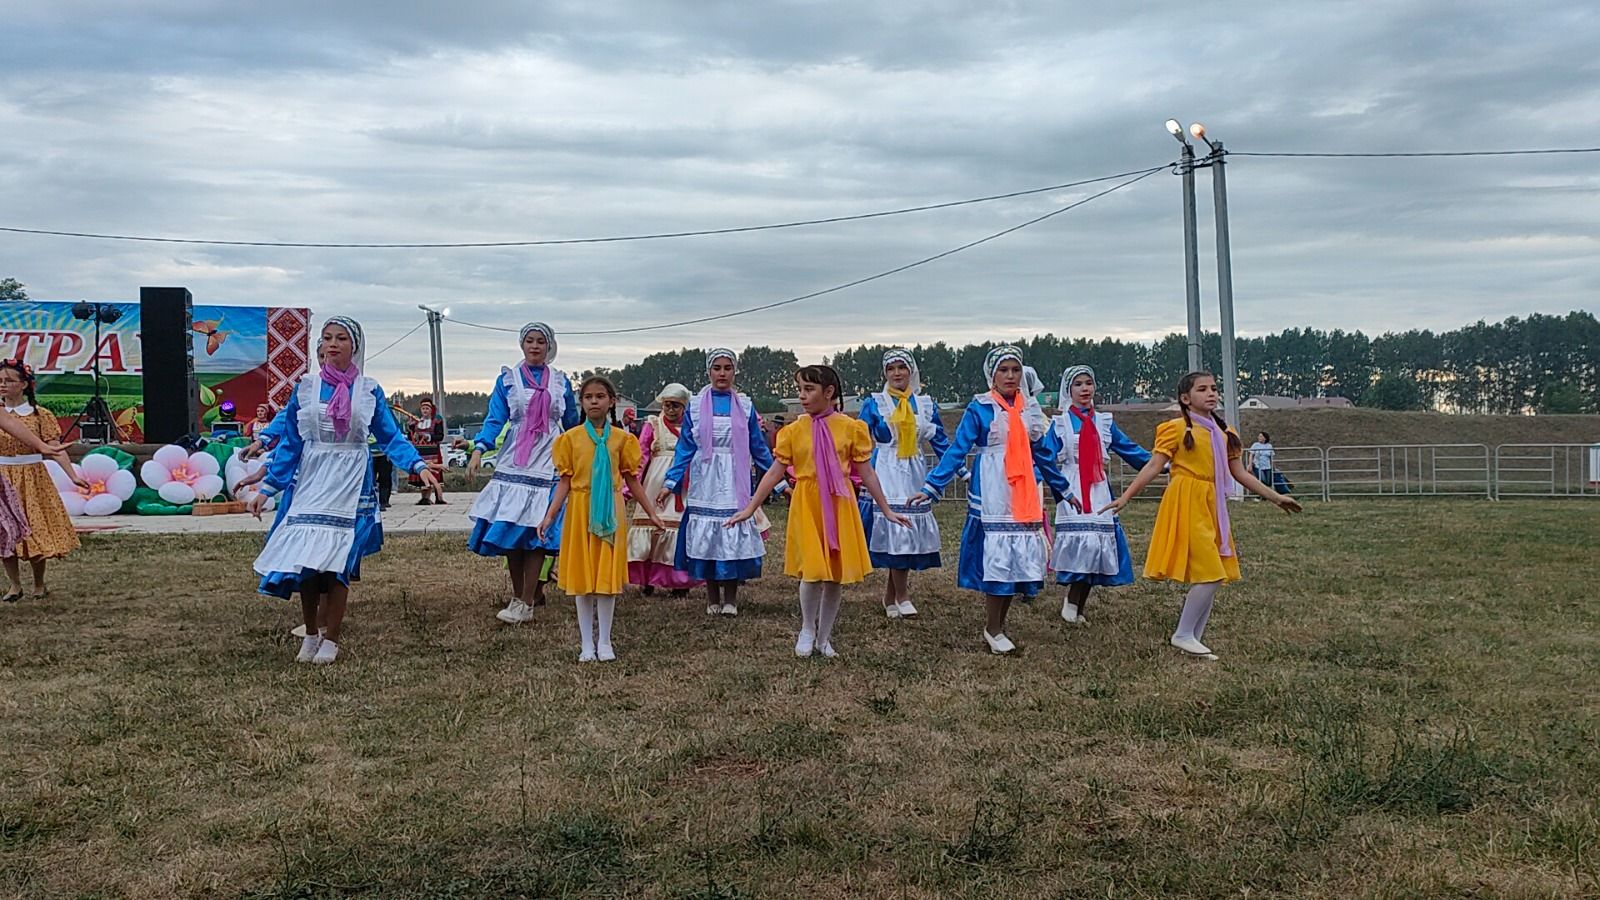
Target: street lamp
x=1191, y=252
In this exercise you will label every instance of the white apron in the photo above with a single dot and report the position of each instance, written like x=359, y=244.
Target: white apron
x=318, y=531
x=902, y=479
x=521, y=494
x=710, y=500
x=1012, y=551
x=1085, y=544
x=646, y=543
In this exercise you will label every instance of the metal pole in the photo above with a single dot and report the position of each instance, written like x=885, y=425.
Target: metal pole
x=436, y=352
x=1230, y=363
x=1191, y=257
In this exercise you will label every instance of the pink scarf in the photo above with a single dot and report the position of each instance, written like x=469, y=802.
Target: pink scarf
x=705, y=439
x=831, y=482
x=341, y=380
x=1091, y=462
x=1224, y=480
x=536, y=418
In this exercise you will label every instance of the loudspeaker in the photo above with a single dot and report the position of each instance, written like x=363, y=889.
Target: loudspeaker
x=171, y=391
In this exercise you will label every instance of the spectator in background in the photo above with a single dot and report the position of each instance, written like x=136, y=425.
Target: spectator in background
x=427, y=435
x=252, y=429
x=1261, y=453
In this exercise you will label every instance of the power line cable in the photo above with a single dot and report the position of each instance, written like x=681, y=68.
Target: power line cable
x=397, y=340
x=1139, y=176
x=741, y=229
x=1436, y=153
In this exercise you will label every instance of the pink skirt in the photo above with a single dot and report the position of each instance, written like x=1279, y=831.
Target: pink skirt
x=13, y=521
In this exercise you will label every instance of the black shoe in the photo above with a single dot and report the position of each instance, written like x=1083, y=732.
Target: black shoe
x=425, y=501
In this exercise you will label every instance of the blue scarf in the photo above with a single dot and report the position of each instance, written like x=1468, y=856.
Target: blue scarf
x=602, y=499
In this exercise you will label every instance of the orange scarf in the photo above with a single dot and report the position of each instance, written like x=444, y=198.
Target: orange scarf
x=1019, y=461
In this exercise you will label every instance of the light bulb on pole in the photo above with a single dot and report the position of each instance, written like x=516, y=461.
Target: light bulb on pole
x=1175, y=128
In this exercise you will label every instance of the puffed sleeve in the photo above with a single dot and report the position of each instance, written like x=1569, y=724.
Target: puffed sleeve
x=1169, y=435
x=561, y=453
x=783, y=451
x=49, y=426
x=632, y=455
x=861, y=443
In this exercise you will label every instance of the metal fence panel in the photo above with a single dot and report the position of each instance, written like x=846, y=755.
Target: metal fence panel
x=1547, y=470
x=1409, y=470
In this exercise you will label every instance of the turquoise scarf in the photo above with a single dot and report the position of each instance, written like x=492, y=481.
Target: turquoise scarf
x=602, y=492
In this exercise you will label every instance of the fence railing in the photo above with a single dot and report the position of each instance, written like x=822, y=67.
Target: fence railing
x=1410, y=470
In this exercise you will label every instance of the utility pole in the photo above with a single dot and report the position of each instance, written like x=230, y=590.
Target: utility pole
x=436, y=348
x=1191, y=251
x=1219, y=193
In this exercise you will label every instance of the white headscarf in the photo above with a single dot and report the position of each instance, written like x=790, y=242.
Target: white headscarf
x=358, y=343
x=549, y=338
x=674, y=391
x=992, y=361
x=716, y=353
x=902, y=355
x=1067, y=377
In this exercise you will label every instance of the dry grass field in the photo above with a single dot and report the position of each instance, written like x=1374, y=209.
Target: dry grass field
x=1407, y=705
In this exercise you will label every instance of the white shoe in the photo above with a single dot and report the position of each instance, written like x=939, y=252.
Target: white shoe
x=728, y=609
x=828, y=651
x=1069, y=613
x=327, y=652
x=308, y=648
x=515, y=613
x=1193, y=647
x=712, y=609
x=806, y=643
x=604, y=653
x=906, y=609
x=998, y=643
x=586, y=656
x=891, y=610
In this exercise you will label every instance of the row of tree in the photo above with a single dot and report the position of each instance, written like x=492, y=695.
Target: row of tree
x=1540, y=363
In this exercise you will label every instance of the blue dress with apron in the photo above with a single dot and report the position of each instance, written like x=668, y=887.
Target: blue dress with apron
x=891, y=546
x=706, y=550
x=1091, y=548
x=999, y=555
x=506, y=514
x=328, y=515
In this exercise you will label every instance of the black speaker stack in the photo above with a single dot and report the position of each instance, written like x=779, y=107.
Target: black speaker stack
x=171, y=391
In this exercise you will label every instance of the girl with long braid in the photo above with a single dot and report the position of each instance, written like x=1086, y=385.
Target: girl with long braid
x=330, y=521
x=1003, y=547
x=1193, y=540
x=535, y=401
x=49, y=529
x=712, y=468
x=1090, y=547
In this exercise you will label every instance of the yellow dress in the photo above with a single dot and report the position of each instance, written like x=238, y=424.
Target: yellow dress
x=806, y=552
x=51, y=533
x=589, y=564
x=1185, y=546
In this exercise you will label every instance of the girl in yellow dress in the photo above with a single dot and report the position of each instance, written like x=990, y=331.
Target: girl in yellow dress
x=51, y=535
x=594, y=461
x=1193, y=540
x=826, y=545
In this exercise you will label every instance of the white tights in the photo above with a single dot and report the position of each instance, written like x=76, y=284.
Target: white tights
x=592, y=607
x=1196, y=610
x=819, y=609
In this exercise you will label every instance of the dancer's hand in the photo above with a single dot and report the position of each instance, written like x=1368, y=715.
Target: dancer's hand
x=427, y=477
x=253, y=478
x=255, y=504
x=252, y=450
x=897, y=519
x=662, y=497
x=60, y=458
x=739, y=516
x=473, y=463
x=544, y=528
x=1074, y=503
x=1288, y=504
x=657, y=521
x=1115, y=505
x=920, y=499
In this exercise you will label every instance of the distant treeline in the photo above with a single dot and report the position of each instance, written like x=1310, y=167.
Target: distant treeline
x=1541, y=363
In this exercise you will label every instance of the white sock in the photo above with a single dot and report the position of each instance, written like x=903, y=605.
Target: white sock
x=1196, y=610
x=585, y=605
x=832, y=594
x=605, y=605
x=810, y=606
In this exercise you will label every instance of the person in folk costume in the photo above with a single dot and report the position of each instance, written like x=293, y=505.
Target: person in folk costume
x=595, y=460
x=330, y=520
x=535, y=401
x=34, y=524
x=711, y=469
x=1192, y=541
x=826, y=543
x=1003, y=547
x=652, y=551
x=1090, y=547
x=427, y=435
x=900, y=418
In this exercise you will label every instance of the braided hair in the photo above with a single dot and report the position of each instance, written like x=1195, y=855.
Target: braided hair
x=1185, y=385
x=25, y=372
x=824, y=377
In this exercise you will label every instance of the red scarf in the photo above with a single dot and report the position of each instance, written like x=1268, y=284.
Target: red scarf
x=1091, y=456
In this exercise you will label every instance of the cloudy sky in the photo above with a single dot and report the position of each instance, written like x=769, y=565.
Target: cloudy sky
x=419, y=121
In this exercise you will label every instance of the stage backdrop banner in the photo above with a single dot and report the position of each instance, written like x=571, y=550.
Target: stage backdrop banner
x=247, y=354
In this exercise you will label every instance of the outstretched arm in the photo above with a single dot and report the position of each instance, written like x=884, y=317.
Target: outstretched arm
x=1152, y=469
x=869, y=480
x=1253, y=484
x=775, y=473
